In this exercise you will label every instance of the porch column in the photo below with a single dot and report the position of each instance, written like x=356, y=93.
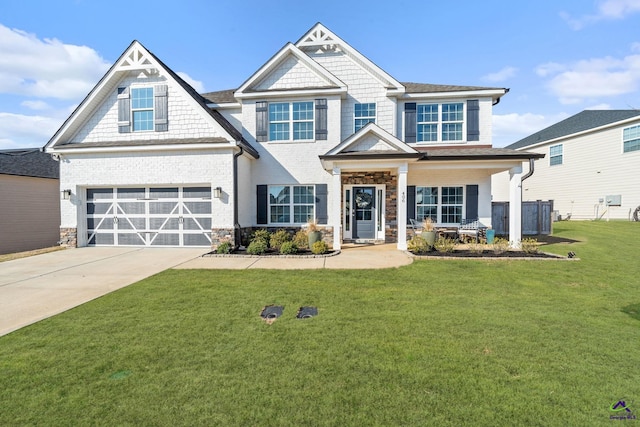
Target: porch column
x=401, y=215
x=515, y=206
x=336, y=212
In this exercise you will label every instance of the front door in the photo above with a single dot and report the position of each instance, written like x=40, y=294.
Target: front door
x=364, y=204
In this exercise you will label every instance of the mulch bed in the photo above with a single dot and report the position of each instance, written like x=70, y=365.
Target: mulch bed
x=463, y=253
x=272, y=252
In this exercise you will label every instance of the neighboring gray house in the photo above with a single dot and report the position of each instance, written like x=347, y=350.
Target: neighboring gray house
x=318, y=132
x=591, y=165
x=30, y=200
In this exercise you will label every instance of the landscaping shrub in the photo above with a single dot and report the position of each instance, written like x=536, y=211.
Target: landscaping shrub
x=476, y=248
x=288, y=248
x=320, y=247
x=445, y=245
x=278, y=238
x=263, y=235
x=529, y=246
x=257, y=247
x=500, y=245
x=418, y=245
x=301, y=240
x=224, y=248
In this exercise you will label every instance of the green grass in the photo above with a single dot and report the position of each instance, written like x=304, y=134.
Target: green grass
x=464, y=342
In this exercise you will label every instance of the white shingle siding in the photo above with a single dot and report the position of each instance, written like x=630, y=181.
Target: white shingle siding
x=593, y=167
x=363, y=88
x=291, y=74
x=185, y=121
x=209, y=168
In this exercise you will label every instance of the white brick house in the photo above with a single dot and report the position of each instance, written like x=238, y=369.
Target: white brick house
x=319, y=131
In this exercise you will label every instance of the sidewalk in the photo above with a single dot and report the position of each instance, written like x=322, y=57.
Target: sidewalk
x=350, y=257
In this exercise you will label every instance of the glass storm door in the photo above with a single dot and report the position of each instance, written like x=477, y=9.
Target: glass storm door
x=364, y=203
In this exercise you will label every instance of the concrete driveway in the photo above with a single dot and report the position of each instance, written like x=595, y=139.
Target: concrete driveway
x=37, y=287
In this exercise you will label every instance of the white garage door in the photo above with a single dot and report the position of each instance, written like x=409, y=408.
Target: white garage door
x=167, y=216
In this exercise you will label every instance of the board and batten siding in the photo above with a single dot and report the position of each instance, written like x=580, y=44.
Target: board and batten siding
x=30, y=213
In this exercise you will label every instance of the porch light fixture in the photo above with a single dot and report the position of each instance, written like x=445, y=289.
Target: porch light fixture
x=217, y=192
x=65, y=194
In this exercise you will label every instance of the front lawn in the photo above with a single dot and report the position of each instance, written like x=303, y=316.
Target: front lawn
x=439, y=342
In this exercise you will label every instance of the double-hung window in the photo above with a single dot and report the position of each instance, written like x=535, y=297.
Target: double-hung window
x=440, y=122
x=555, y=155
x=442, y=204
x=631, y=139
x=427, y=203
x=291, y=204
x=291, y=121
x=363, y=114
x=142, y=108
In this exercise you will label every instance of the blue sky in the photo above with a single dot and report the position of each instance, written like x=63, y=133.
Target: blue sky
x=556, y=57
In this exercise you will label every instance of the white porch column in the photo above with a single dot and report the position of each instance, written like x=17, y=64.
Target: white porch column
x=336, y=214
x=401, y=215
x=515, y=206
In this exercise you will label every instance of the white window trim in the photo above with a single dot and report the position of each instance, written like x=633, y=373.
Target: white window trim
x=153, y=109
x=440, y=122
x=291, y=122
x=623, y=140
x=561, y=155
x=440, y=204
x=291, y=204
x=375, y=116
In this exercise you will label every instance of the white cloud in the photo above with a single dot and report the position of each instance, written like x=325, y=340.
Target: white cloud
x=607, y=10
x=599, y=107
x=504, y=74
x=19, y=131
x=46, y=68
x=592, y=78
x=35, y=105
x=196, y=84
x=510, y=128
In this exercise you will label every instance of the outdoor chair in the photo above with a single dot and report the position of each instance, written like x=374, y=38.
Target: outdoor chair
x=415, y=226
x=470, y=229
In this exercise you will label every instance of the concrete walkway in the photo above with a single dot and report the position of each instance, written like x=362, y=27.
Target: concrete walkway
x=350, y=257
x=40, y=286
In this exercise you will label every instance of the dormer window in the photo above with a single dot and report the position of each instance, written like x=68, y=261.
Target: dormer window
x=364, y=113
x=142, y=108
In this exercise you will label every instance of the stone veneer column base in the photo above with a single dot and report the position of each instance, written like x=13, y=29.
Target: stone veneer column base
x=219, y=235
x=68, y=237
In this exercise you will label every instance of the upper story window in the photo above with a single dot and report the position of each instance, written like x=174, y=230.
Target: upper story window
x=291, y=121
x=142, y=108
x=363, y=114
x=440, y=122
x=555, y=155
x=631, y=139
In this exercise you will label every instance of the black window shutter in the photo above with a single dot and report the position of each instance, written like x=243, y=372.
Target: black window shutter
x=160, y=108
x=473, y=120
x=472, y=202
x=410, y=122
x=262, y=121
x=321, y=204
x=262, y=204
x=411, y=202
x=321, y=119
x=124, y=110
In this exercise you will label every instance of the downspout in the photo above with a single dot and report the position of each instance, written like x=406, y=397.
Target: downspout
x=236, y=225
x=528, y=174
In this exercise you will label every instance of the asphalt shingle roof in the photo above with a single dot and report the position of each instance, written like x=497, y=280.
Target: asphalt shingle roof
x=585, y=120
x=28, y=162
